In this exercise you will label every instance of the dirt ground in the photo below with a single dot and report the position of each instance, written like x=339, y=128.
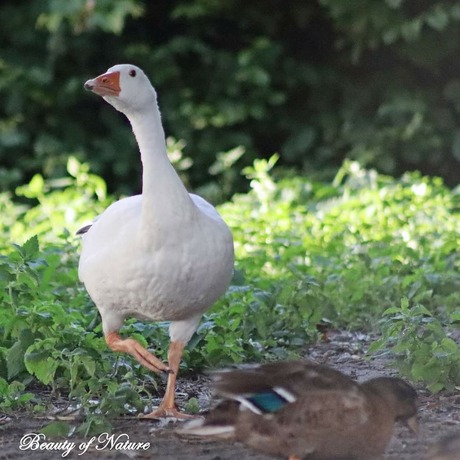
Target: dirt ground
x=439, y=415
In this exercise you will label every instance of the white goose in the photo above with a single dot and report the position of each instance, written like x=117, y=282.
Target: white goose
x=165, y=255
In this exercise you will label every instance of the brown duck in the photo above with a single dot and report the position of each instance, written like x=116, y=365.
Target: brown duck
x=303, y=410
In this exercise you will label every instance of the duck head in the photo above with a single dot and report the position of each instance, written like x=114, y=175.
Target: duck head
x=399, y=396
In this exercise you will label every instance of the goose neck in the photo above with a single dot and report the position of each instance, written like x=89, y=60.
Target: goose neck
x=163, y=192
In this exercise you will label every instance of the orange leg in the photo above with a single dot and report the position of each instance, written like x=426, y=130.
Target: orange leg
x=167, y=406
x=135, y=349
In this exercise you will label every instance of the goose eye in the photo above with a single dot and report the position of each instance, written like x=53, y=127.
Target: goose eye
x=132, y=73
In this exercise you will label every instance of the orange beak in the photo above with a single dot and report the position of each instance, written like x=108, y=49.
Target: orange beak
x=107, y=84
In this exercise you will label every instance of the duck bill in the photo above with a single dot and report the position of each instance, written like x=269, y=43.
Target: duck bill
x=107, y=84
x=412, y=424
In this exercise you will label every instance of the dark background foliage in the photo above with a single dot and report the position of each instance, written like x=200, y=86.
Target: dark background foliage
x=316, y=81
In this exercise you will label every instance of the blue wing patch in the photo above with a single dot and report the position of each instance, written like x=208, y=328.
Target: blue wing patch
x=267, y=402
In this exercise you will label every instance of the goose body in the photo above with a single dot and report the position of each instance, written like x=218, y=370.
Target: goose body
x=164, y=255
x=172, y=274
x=303, y=410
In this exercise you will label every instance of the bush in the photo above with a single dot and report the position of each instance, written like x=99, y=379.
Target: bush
x=317, y=81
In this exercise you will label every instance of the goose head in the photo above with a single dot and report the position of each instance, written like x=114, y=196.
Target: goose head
x=125, y=87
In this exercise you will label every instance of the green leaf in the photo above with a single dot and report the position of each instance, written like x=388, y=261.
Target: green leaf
x=376, y=345
x=391, y=311
x=438, y=18
x=40, y=364
x=436, y=387
x=29, y=249
x=15, y=356
x=15, y=360
x=89, y=364
x=36, y=186
x=95, y=425
x=4, y=387
x=73, y=166
x=192, y=406
x=56, y=429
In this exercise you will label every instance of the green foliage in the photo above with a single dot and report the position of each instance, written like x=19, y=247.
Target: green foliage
x=192, y=406
x=317, y=81
x=52, y=217
x=421, y=345
x=401, y=110
x=344, y=252
x=49, y=330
